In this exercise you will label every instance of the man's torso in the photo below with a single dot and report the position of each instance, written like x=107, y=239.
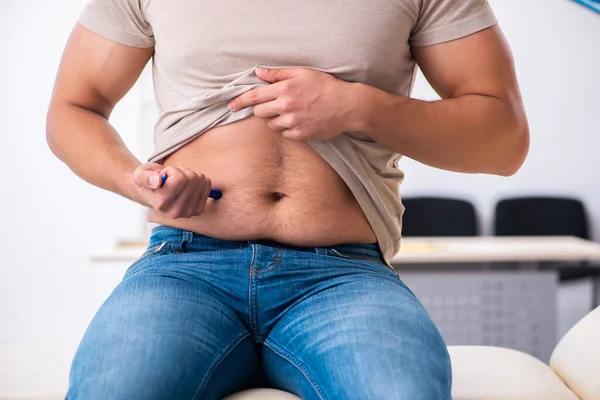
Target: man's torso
x=272, y=187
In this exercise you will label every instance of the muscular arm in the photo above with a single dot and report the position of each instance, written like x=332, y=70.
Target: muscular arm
x=93, y=76
x=479, y=126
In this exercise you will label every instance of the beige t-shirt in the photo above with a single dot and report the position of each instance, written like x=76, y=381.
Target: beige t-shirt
x=206, y=52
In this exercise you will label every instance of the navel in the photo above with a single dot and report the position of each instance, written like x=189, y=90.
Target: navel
x=276, y=196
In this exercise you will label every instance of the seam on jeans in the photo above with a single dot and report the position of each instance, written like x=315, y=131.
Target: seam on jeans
x=274, y=264
x=296, y=362
x=179, y=244
x=219, y=359
x=154, y=251
x=187, y=237
x=252, y=301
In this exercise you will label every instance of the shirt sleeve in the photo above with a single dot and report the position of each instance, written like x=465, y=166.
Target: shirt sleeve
x=122, y=21
x=444, y=20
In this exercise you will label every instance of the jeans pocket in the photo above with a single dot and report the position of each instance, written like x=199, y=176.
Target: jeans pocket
x=150, y=252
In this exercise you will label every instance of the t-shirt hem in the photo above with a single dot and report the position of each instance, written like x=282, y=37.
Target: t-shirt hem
x=459, y=29
x=114, y=34
x=163, y=150
x=383, y=238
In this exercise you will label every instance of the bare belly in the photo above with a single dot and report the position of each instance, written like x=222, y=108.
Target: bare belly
x=273, y=188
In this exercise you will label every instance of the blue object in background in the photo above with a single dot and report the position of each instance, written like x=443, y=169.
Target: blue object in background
x=591, y=4
x=214, y=193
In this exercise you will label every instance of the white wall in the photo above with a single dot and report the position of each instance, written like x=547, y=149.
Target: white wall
x=557, y=52
x=52, y=220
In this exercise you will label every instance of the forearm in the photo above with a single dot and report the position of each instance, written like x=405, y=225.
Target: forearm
x=92, y=149
x=470, y=133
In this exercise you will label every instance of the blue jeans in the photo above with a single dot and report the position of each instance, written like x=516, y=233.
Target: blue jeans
x=200, y=318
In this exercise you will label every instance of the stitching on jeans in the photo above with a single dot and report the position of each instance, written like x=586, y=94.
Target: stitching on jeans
x=156, y=251
x=274, y=264
x=252, y=300
x=280, y=351
x=188, y=236
x=251, y=287
x=219, y=359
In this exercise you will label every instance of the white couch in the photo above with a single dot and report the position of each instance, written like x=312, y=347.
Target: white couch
x=479, y=373
x=493, y=373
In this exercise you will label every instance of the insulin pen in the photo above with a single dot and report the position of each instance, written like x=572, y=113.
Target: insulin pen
x=214, y=193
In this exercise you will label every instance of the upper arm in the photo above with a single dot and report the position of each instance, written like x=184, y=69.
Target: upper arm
x=95, y=73
x=480, y=64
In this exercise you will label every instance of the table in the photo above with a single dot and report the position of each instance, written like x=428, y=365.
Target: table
x=489, y=249
x=492, y=252
x=493, y=290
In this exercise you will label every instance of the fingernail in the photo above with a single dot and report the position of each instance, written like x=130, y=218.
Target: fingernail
x=231, y=106
x=261, y=70
x=154, y=181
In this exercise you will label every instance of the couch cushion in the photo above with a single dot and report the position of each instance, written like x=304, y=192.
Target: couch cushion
x=494, y=373
x=576, y=358
x=262, y=394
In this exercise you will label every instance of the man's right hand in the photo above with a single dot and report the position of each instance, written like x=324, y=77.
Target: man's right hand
x=183, y=195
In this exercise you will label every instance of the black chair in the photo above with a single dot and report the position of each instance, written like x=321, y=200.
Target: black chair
x=541, y=216
x=545, y=216
x=438, y=216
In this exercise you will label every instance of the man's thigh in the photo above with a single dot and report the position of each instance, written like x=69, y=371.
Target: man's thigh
x=160, y=336
x=363, y=336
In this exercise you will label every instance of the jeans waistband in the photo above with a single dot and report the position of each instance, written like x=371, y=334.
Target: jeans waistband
x=197, y=241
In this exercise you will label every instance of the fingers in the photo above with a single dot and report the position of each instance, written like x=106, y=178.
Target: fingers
x=282, y=123
x=147, y=175
x=200, y=203
x=181, y=193
x=282, y=106
x=164, y=199
x=191, y=206
x=197, y=201
x=181, y=206
x=253, y=97
x=276, y=75
x=266, y=110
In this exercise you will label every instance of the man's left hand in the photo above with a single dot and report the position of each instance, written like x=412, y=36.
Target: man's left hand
x=301, y=103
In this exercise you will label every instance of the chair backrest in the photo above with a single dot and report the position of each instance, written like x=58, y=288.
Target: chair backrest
x=541, y=216
x=437, y=216
x=576, y=358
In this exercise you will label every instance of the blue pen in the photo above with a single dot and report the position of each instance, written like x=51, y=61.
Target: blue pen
x=214, y=193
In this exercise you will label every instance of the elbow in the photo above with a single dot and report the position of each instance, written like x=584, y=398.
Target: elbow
x=516, y=150
x=51, y=140
x=57, y=118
